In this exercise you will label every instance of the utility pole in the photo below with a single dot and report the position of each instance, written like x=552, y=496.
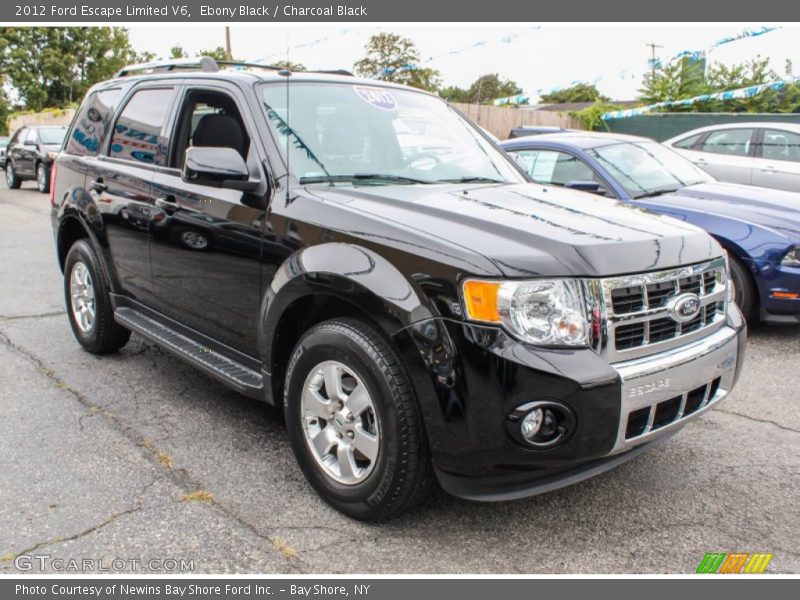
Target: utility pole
x=228, y=53
x=653, y=46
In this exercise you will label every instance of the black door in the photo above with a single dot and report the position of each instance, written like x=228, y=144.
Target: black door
x=27, y=153
x=206, y=244
x=120, y=183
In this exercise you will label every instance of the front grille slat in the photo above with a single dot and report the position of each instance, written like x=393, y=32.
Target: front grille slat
x=645, y=300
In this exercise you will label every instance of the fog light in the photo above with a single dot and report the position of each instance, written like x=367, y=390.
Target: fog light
x=531, y=423
x=541, y=424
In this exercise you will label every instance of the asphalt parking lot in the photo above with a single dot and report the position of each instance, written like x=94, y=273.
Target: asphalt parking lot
x=136, y=456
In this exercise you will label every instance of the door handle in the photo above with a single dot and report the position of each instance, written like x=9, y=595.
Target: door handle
x=701, y=161
x=98, y=186
x=769, y=169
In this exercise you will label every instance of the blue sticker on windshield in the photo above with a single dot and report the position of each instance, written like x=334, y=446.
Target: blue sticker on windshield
x=377, y=97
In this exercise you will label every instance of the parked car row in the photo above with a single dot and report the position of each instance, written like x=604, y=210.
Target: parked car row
x=29, y=155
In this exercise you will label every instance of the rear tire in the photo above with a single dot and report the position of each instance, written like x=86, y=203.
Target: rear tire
x=89, y=308
x=744, y=288
x=43, y=177
x=362, y=444
x=12, y=179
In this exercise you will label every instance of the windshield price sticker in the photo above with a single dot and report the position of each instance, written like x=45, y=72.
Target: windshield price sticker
x=377, y=97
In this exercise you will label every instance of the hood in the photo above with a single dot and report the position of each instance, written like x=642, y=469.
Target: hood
x=531, y=230
x=52, y=147
x=775, y=209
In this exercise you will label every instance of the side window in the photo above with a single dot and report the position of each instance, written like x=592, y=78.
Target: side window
x=208, y=118
x=688, y=143
x=733, y=142
x=137, y=132
x=32, y=136
x=781, y=145
x=93, y=123
x=553, y=167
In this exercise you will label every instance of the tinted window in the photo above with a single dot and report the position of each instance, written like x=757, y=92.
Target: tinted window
x=781, y=145
x=93, y=122
x=688, y=142
x=550, y=166
x=137, y=133
x=733, y=142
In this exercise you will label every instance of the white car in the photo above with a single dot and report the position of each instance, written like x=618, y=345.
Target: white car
x=763, y=154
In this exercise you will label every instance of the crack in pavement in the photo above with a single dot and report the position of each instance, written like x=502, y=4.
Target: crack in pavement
x=178, y=477
x=757, y=420
x=35, y=316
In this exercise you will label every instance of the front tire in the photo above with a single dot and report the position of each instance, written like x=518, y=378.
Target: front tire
x=43, y=177
x=89, y=308
x=744, y=289
x=12, y=179
x=354, y=423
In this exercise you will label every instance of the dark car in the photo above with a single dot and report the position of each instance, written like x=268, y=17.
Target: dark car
x=418, y=316
x=30, y=155
x=758, y=227
x=3, y=144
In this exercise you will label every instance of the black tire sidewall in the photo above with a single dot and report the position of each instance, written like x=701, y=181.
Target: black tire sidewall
x=744, y=289
x=357, y=500
x=15, y=181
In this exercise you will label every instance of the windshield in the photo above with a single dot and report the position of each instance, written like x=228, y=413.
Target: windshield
x=379, y=135
x=648, y=168
x=52, y=135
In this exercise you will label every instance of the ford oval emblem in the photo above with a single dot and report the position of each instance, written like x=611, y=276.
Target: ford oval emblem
x=685, y=307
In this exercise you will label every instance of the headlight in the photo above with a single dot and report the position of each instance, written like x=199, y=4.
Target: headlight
x=542, y=311
x=792, y=258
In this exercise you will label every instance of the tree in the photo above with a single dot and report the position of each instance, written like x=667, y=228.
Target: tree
x=390, y=57
x=177, y=52
x=289, y=65
x=687, y=78
x=218, y=54
x=5, y=109
x=580, y=92
x=490, y=87
x=54, y=66
x=453, y=93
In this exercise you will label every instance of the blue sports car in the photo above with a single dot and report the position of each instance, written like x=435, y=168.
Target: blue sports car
x=759, y=227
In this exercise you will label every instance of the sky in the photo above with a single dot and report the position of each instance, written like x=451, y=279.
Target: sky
x=538, y=57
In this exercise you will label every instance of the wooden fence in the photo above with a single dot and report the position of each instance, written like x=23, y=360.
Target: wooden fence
x=501, y=120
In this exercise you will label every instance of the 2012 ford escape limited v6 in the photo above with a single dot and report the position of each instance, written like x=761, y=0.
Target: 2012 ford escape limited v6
x=362, y=256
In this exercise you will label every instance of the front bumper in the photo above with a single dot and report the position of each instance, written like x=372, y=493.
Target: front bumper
x=474, y=456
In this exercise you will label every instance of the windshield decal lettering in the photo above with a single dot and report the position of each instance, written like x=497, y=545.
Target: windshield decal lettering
x=377, y=97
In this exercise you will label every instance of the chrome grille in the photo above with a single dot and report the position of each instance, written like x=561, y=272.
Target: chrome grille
x=639, y=317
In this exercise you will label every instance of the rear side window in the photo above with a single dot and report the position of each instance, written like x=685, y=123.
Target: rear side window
x=93, y=123
x=137, y=132
x=688, y=143
x=733, y=142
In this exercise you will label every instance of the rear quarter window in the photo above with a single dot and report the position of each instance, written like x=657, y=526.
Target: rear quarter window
x=93, y=123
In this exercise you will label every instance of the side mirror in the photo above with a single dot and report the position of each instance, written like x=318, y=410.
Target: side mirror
x=217, y=167
x=586, y=186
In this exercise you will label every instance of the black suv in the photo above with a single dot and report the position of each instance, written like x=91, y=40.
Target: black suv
x=362, y=256
x=30, y=155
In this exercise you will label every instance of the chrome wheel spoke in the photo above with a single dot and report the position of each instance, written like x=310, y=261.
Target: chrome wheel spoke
x=323, y=442
x=348, y=468
x=81, y=293
x=365, y=442
x=315, y=403
x=358, y=401
x=333, y=381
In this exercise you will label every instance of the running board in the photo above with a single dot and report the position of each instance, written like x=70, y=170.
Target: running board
x=229, y=372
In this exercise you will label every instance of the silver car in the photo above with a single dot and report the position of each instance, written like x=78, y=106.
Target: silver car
x=763, y=154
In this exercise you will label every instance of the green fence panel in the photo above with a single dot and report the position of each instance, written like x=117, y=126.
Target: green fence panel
x=662, y=126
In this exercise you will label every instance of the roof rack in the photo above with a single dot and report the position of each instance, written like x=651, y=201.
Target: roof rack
x=208, y=65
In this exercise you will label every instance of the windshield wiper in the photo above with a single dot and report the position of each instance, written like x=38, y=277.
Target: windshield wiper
x=471, y=179
x=658, y=192
x=362, y=177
